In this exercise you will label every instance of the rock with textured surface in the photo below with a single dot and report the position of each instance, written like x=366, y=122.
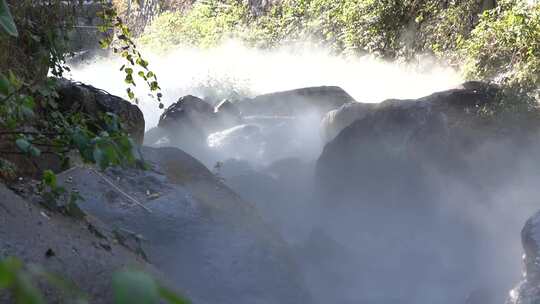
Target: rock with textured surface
x=192, y=227
x=77, y=251
x=528, y=290
x=404, y=174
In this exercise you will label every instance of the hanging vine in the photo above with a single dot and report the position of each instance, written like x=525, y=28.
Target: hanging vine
x=118, y=37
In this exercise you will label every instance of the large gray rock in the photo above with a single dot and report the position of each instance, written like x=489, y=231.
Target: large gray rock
x=528, y=290
x=202, y=235
x=409, y=181
x=296, y=102
x=376, y=154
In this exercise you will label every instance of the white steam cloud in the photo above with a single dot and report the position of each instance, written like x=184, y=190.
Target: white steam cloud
x=233, y=70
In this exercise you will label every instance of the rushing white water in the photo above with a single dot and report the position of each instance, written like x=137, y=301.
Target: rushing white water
x=232, y=69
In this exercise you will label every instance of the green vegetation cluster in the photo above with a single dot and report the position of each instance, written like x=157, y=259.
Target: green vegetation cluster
x=35, y=39
x=490, y=40
x=129, y=286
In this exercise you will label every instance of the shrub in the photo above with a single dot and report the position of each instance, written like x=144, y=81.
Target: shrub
x=205, y=25
x=505, y=46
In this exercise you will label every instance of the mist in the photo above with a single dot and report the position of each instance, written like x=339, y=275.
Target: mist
x=233, y=70
x=351, y=252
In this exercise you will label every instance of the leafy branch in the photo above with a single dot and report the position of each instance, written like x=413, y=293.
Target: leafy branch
x=118, y=37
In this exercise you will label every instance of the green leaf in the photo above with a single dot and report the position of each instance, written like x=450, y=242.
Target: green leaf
x=23, y=144
x=133, y=287
x=26, y=292
x=49, y=178
x=6, y=20
x=8, y=269
x=4, y=85
x=171, y=297
x=130, y=93
x=35, y=152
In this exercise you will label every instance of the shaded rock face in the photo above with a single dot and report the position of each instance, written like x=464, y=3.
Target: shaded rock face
x=528, y=290
x=71, y=249
x=94, y=102
x=188, y=110
x=530, y=239
x=185, y=124
x=400, y=139
x=409, y=183
x=295, y=102
x=202, y=235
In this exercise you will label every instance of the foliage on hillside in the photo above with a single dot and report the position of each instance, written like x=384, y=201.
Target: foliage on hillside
x=505, y=46
x=497, y=42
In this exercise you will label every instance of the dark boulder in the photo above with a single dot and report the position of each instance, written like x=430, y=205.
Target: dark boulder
x=296, y=102
x=186, y=125
x=78, y=97
x=528, y=290
x=187, y=111
x=376, y=155
x=405, y=177
x=530, y=239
